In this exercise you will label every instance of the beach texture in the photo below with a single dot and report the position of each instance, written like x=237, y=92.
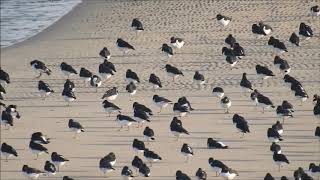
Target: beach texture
x=79, y=36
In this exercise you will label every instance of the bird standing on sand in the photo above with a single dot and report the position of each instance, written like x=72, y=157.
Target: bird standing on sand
x=109, y=107
x=263, y=72
x=58, y=160
x=8, y=151
x=223, y=20
x=173, y=72
x=245, y=84
x=136, y=163
x=198, y=79
x=273, y=135
x=144, y=170
x=105, y=53
x=201, y=174
x=140, y=107
x=131, y=88
x=40, y=138
x=177, y=129
x=68, y=96
x=294, y=39
x=105, y=166
x=264, y=102
x=161, y=102
x=280, y=159
x=261, y=29
x=127, y=173
x=315, y=10
x=67, y=69
x=105, y=71
x=241, y=124
x=176, y=42
x=213, y=144
x=44, y=89
x=275, y=148
x=111, y=94
x=124, y=46
x=95, y=82
x=4, y=77
x=230, y=40
x=136, y=25
x=282, y=64
x=155, y=81
x=305, y=31
x=31, y=173
x=278, y=45
x=141, y=117
x=151, y=156
x=148, y=134
x=216, y=165
x=138, y=146
x=75, y=127
x=218, y=92
x=40, y=67
x=167, y=50
x=225, y=103
x=85, y=75
x=49, y=168
x=187, y=151
x=182, y=176
x=132, y=76
x=124, y=121
x=37, y=149
x=228, y=173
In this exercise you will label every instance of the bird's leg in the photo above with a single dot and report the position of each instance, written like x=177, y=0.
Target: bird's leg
x=96, y=89
x=150, y=163
x=160, y=110
x=120, y=128
x=128, y=128
x=282, y=120
x=279, y=168
x=263, y=110
x=187, y=159
x=6, y=158
x=227, y=111
x=58, y=167
x=36, y=157
x=39, y=75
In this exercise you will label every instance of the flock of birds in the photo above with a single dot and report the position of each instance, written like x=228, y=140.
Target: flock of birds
x=181, y=108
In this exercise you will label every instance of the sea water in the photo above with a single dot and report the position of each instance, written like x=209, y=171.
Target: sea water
x=21, y=19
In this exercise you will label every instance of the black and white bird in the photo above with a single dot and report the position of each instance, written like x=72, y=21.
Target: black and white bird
x=278, y=127
x=6, y=119
x=105, y=53
x=4, y=77
x=283, y=113
x=85, y=75
x=223, y=20
x=67, y=69
x=67, y=178
x=218, y=92
x=136, y=25
x=40, y=138
x=317, y=132
x=315, y=10
x=136, y=163
x=138, y=146
x=268, y=177
x=228, y=52
x=95, y=82
x=148, y=134
x=37, y=149
x=214, y=144
x=105, y=166
x=216, y=165
x=50, y=168
x=289, y=80
x=127, y=173
x=273, y=135
x=161, y=102
x=305, y=31
x=69, y=85
x=182, y=176
x=132, y=76
x=173, y=71
x=137, y=106
x=167, y=50
x=230, y=40
x=228, y=173
x=123, y=121
x=151, y=156
x=111, y=158
x=31, y=173
x=274, y=147
x=144, y=170
x=177, y=129
x=131, y=88
x=105, y=71
x=261, y=29
x=58, y=160
x=183, y=101
x=180, y=110
x=201, y=174
x=68, y=96
x=8, y=151
x=225, y=103
x=286, y=105
x=111, y=94
x=263, y=72
x=44, y=89
x=75, y=127
x=198, y=78
x=155, y=81
x=241, y=124
x=301, y=95
x=279, y=45
x=109, y=107
x=284, y=178
x=294, y=39
x=232, y=60
x=177, y=42
x=280, y=159
x=282, y=64
x=2, y=91
x=39, y=68
x=124, y=46
x=245, y=84
x=264, y=102
x=186, y=151
x=314, y=170
x=140, y=117
x=300, y=174
x=238, y=51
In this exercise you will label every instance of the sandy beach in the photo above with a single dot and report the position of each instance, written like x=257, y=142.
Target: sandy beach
x=77, y=39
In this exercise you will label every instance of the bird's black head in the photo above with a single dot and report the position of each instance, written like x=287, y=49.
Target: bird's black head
x=164, y=45
x=178, y=173
x=311, y=165
x=209, y=140
x=119, y=39
x=71, y=120
x=155, y=96
x=167, y=66
x=210, y=160
x=224, y=49
x=219, y=16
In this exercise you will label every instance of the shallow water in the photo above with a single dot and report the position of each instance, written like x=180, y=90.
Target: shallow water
x=21, y=19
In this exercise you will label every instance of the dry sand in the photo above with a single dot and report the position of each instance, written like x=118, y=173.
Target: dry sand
x=78, y=37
